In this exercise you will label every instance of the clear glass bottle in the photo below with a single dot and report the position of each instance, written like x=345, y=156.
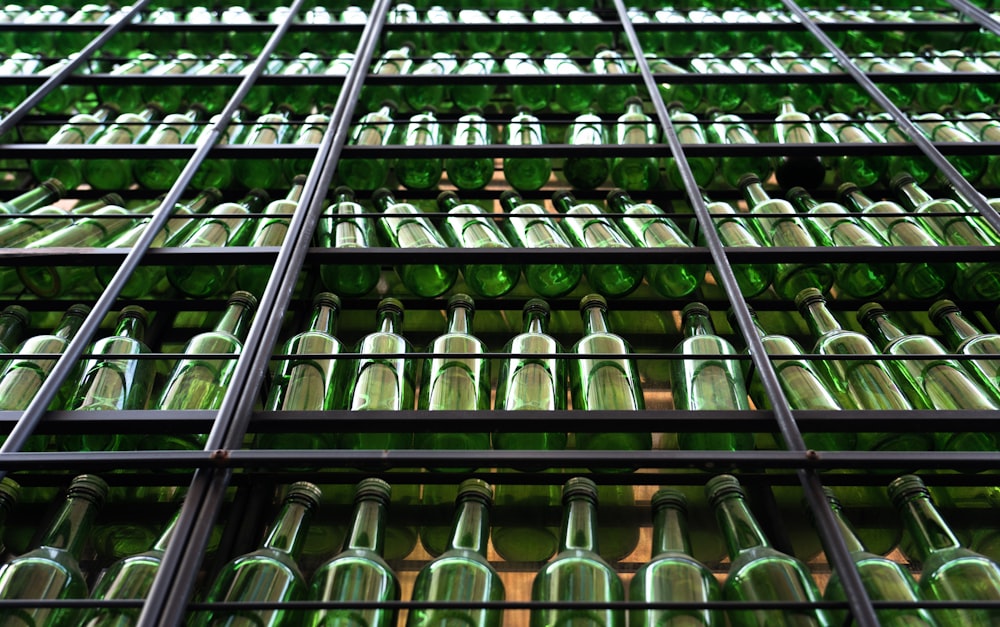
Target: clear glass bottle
x=729, y=128
x=752, y=279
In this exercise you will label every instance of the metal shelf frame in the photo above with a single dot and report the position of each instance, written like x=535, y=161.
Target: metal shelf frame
x=213, y=468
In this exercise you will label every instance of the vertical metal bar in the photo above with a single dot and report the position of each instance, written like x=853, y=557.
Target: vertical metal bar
x=11, y=119
x=858, y=601
x=916, y=136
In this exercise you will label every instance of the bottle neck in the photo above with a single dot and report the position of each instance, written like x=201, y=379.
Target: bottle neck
x=804, y=202
x=253, y=203
x=755, y=194
x=131, y=326
x=883, y=330
x=460, y=321
x=290, y=528
x=620, y=202
x=857, y=200
x=389, y=321
x=11, y=328
x=164, y=539
x=324, y=319
x=69, y=325
x=913, y=196
x=698, y=323
x=564, y=202
x=956, y=328
x=236, y=320
x=929, y=531
x=343, y=197
x=471, y=530
x=201, y=203
x=295, y=193
x=448, y=202
x=820, y=320
x=510, y=202
x=854, y=545
x=367, y=533
x=670, y=534
x=71, y=528
x=579, y=526
x=739, y=527
x=534, y=322
x=385, y=201
x=594, y=321
x=761, y=333
x=33, y=199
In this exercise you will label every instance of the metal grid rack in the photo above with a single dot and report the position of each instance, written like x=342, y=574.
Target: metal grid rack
x=225, y=462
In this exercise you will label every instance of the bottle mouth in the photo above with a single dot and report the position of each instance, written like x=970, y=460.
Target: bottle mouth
x=90, y=487
x=748, y=179
x=510, y=194
x=809, y=296
x=305, y=493
x=593, y=300
x=446, y=196
x=55, y=186
x=343, y=190
x=942, y=307
x=462, y=300
x=722, y=487
x=615, y=194
x=869, y=311
x=731, y=315
x=796, y=192
x=476, y=488
x=579, y=487
x=327, y=299
x=19, y=312
x=300, y=179
x=258, y=192
x=846, y=189
x=134, y=311
x=903, y=488
x=113, y=199
x=668, y=497
x=390, y=304
x=901, y=179
x=831, y=497
x=537, y=305
x=242, y=297
x=78, y=310
x=692, y=309
x=372, y=488
x=10, y=491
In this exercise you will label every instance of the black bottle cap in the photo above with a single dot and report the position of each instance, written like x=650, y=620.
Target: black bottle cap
x=244, y=298
x=618, y=193
x=19, y=312
x=113, y=199
x=389, y=304
x=593, y=300
x=212, y=193
x=299, y=179
x=510, y=194
x=372, y=489
x=723, y=486
x=55, y=186
x=557, y=196
x=846, y=189
x=675, y=104
x=748, y=179
x=134, y=311
x=902, y=488
x=538, y=305
x=303, y=492
x=901, y=179
x=90, y=487
x=795, y=192
x=79, y=309
x=476, y=488
x=259, y=193
x=579, y=487
x=343, y=190
x=328, y=299
x=695, y=308
x=669, y=497
x=445, y=196
x=462, y=300
x=942, y=307
x=869, y=310
x=631, y=100
x=807, y=297
x=381, y=194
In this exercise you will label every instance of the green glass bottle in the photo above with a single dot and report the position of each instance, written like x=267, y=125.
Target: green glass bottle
x=605, y=383
x=270, y=231
x=462, y=573
x=529, y=383
x=570, y=97
x=472, y=129
x=966, y=338
x=977, y=280
x=753, y=279
x=126, y=96
x=199, y=383
x=558, y=40
x=587, y=228
x=469, y=226
x=882, y=578
x=529, y=225
x=129, y=128
x=268, y=129
x=474, y=95
x=421, y=172
x=587, y=172
x=270, y=573
x=760, y=96
x=455, y=383
x=975, y=95
x=612, y=97
x=758, y=571
x=882, y=128
x=309, y=383
x=10, y=492
x=408, y=228
x=128, y=578
x=861, y=170
x=214, y=97
x=647, y=226
x=310, y=133
x=13, y=321
x=634, y=127
x=300, y=98
x=218, y=172
x=578, y=572
x=785, y=230
x=373, y=129
x=534, y=96
x=46, y=193
x=359, y=572
x=153, y=279
x=929, y=383
x=17, y=63
x=114, y=382
x=673, y=575
x=689, y=131
x=421, y=97
x=831, y=225
x=343, y=226
x=950, y=572
x=382, y=383
x=800, y=381
x=726, y=97
x=82, y=128
x=795, y=127
x=729, y=128
x=526, y=173
x=700, y=383
x=176, y=128
x=170, y=97
x=688, y=95
x=24, y=373
x=916, y=279
x=226, y=227
x=805, y=96
x=51, y=571
x=939, y=129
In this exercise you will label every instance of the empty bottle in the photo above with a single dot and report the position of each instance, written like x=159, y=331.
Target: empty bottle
x=861, y=170
x=269, y=230
x=966, y=338
x=129, y=128
x=752, y=279
x=470, y=226
x=420, y=172
x=612, y=97
x=79, y=129
x=634, y=127
x=373, y=129
x=526, y=173
x=347, y=228
x=689, y=131
x=729, y=128
x=472, y=129
x=529, y=225
x=586, y=172
x=795, y=127
x=475, y=95
x=532, y=95
x=176, y=128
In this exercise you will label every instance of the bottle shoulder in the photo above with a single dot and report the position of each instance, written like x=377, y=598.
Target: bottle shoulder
x=602, y=343
x=577, y=561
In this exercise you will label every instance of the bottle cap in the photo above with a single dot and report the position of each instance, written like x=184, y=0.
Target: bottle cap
x=90, y=487
x=258, y=192
x=807, y=297
x=675, y=104
x=134, y=311
x=343, y=190
x=55, y=186
x=372, y=489
x=669, y=497
x=846, y=189
x=748, y=179
x=902, y=488
x=593, y=300
x=462, y=300
x=510, y=194
x=300, y=179
x=382, y=194
x=713, y=111
x=901, y=179
x=10, y=491
x=795, y=192
x=942, y=307
x=476, y=488
x=723, y=486
x=244, y=298
x=579, y=487
x=561, y=194
x=305, y=493
x=389, y=304
x=445, y=196
x=694, y=309
x=78, y=310
x=213, y=194
x=113, y=199
x=537, y=305
x=18, y=312
x=327, y=299
x=616, y=194
x=633, y=100
x=869, y=310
